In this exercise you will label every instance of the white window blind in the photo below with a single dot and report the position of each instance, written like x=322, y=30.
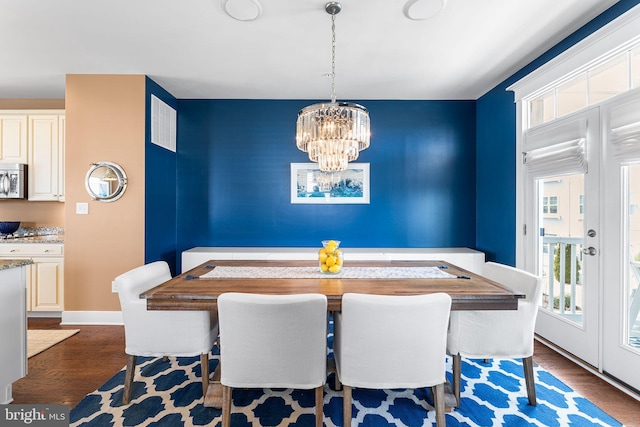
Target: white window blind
x=624, y=131
x=557, y=148
x=625, y=142
x=559, y=159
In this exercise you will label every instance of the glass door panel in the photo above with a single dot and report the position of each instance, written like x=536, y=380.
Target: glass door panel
x=632, y=241
x=560, y=246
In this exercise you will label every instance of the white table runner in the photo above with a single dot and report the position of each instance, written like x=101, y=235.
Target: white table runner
x=314, y=273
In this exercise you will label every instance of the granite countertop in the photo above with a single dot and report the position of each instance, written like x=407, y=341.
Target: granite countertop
x=51, y=238
x=35, y=235
x=13, y=263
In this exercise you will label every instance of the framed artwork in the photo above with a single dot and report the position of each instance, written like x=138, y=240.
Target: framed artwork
x=312, y=186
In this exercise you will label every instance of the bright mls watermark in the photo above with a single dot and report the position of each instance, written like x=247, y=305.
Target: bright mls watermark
x=34, y=415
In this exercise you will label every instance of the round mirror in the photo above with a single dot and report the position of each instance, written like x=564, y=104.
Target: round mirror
x=106, y=181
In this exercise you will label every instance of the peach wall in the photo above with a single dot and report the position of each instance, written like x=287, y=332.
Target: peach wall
x=32, y=104
x=32, y=214
x=105, y=121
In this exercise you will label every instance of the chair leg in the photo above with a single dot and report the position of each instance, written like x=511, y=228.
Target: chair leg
x=457, y=368
x=331, y=367
x=347, y=405
x=128, y=379
x=226, y=406
x=204, y=367
x=438, y=403
x=319, y=405
x=527, y=364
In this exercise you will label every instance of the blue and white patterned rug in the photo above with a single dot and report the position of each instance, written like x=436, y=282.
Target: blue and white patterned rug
x=169, y=393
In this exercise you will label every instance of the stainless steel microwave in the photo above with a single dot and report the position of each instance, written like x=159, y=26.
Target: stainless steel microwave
x=13, y=181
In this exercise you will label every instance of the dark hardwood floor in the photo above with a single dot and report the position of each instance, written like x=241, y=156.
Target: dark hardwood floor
x=68, y=371
x=607, y=397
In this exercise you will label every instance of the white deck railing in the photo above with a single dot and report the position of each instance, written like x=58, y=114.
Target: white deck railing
x=560, y=243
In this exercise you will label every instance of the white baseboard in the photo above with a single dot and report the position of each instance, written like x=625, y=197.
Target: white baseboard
x=92, y=318
x=44, y=314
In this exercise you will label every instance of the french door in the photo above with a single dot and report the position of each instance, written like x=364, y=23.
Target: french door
x=562, y=194
x=621, y=240
x=582, y=213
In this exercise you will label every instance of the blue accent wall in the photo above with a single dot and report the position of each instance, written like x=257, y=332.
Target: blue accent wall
x=495, y=179
x=442, y=174
x=496, y=156
x=160, y=189
x=234, y=161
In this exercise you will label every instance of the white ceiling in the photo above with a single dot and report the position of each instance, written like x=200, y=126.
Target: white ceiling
x=194, y=50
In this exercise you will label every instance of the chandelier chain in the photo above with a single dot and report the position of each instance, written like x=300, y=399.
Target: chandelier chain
x=333, y=134
x=333, y=58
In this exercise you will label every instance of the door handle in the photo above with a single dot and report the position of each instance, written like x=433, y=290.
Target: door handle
x=589, y=251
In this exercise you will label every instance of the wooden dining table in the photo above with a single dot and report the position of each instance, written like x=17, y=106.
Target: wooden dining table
x=468, y=291
x=191, y=291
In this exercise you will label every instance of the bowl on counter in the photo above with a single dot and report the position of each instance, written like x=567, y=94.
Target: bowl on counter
x=9, y=227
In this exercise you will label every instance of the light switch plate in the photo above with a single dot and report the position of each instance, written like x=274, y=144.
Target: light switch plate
x=82, y=208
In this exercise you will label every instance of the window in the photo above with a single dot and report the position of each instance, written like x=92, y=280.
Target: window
x=635, y=67
x=572, y=96
x=581, y=204
x=550, y=205
x=609, y=79
x=542, y=109
x=614, y=73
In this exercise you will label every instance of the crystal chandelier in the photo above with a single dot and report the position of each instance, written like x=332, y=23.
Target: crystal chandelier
x=333, y=133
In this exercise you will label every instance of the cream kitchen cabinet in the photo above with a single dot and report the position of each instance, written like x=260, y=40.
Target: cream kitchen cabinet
x=46, y=156
x=36, y=137
x=46, y=292
x=61, y=148
x=45, y=277
x=13, y=138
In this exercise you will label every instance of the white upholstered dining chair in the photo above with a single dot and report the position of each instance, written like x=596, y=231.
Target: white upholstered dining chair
x=504, y=334
x=154, y=333
x=386, y=342
x=272, y=341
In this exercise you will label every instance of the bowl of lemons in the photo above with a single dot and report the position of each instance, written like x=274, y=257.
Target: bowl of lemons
x=330, y=257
